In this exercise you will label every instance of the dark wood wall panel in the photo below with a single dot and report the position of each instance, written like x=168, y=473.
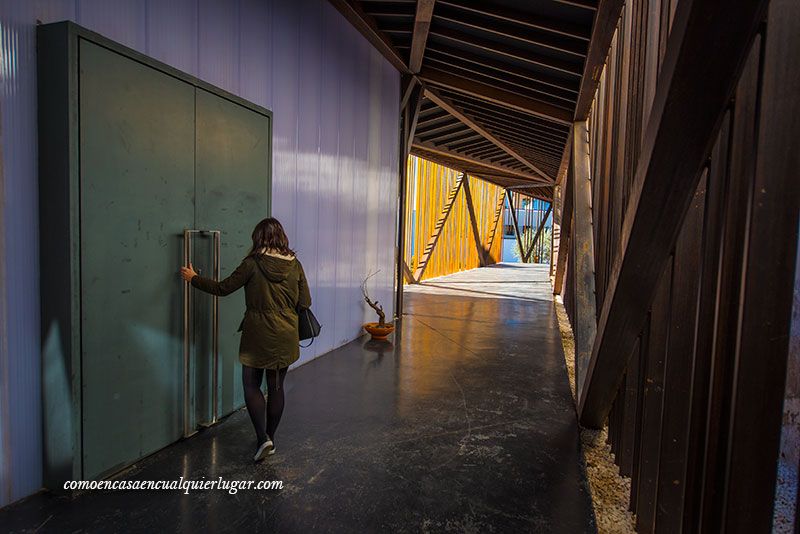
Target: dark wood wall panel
x=716, y=198
x=652, y=404
x=678, y=371
x=696, y=420
x=735, y=221
x=768, y=284
x=631, y=419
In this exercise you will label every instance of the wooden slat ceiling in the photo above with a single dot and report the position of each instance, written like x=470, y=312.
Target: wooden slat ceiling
x=501, y=79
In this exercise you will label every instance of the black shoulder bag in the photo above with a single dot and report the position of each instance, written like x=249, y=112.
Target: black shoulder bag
x=308, y=326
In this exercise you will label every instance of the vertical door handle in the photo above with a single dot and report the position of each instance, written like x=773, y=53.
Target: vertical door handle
x=217, y=239
x=187, y=345
x=187, y=329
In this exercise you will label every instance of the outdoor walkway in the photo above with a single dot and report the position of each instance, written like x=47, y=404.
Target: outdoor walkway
x=465, y=424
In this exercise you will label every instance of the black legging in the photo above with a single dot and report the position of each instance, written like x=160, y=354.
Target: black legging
x=254, y=398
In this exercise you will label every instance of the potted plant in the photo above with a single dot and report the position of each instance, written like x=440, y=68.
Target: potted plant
x=380, y=330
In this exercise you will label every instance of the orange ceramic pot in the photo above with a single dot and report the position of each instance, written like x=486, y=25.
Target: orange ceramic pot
x=379, y=332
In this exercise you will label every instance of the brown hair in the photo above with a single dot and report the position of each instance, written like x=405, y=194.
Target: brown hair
x=269, y=234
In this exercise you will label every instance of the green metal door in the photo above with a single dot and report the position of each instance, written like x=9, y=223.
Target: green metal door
x=137, y=131
x=233, y=187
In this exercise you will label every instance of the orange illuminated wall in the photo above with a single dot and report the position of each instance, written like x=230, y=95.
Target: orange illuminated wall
x=429, y=185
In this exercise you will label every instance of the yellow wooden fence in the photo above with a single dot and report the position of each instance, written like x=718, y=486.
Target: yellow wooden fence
x=429, y=188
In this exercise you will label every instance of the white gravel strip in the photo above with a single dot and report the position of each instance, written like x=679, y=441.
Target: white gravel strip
x=610, y=491
x=785, y=498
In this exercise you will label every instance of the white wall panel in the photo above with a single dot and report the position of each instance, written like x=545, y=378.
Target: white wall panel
x=328, y=197
x=334, y=102
x=20, y=364
x=124, y=21
x=306, y=208
x=255, y=52
x=285, y=83
x=345, y=170
x=172, y=33
x=218, y=43
x=361, y=255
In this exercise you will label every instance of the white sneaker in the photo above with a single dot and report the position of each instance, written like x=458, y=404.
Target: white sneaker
x=265, y=449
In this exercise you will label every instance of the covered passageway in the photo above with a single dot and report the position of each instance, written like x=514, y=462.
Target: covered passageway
x=579, y=218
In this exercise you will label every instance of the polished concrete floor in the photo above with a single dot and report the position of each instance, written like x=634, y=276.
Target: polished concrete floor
x=462, y=423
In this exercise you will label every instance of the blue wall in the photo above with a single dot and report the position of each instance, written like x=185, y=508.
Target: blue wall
x=334, y=100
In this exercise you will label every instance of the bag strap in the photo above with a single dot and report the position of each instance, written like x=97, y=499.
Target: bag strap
x=312, y=339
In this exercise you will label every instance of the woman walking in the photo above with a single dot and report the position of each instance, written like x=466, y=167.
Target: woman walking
x=275, y=288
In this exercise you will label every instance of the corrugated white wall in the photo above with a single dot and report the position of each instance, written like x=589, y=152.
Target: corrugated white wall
x=334, y=100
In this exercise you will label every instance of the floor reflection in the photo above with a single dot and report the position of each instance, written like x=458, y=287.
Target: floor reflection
x=463, y=421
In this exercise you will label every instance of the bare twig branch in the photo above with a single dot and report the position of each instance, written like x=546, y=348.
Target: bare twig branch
x=374, y=304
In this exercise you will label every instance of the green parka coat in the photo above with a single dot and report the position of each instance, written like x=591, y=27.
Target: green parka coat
x=274, y=288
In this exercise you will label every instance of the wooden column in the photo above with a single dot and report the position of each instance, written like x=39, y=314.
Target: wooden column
x=583, y=258
x=400, y=249
x=566, y=229
x=498, y=214
x=409, y=113
x=473, y=221
x=558, y=208
x=538, y=232
x=513, y=211
x=422, y=24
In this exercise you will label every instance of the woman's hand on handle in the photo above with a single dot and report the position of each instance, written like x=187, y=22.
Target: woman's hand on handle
x=187, y=273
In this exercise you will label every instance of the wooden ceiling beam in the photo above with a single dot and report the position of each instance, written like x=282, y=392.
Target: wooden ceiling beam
x=565, y=67
x=366, y=25
x=466, y=145
x=532, y=191
x=523, y=133
x=605, y=24
x=516, y=32
x=448, y=128
x=451, y=137
x=407, y=84
x=415, y=104
x=522, y=141
x=540, y=80
x=562, y=169
x=422, y=25
x=498, y=96
x=584, y=4
x=435, y=123
x=490, y=78
x=485, y=152
x=471, y=103
x=504, y=113
x=492, y=10
x=434, y=116
x=439, y=151
x=457, y=113
x=390, y=9
x=537, y=156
